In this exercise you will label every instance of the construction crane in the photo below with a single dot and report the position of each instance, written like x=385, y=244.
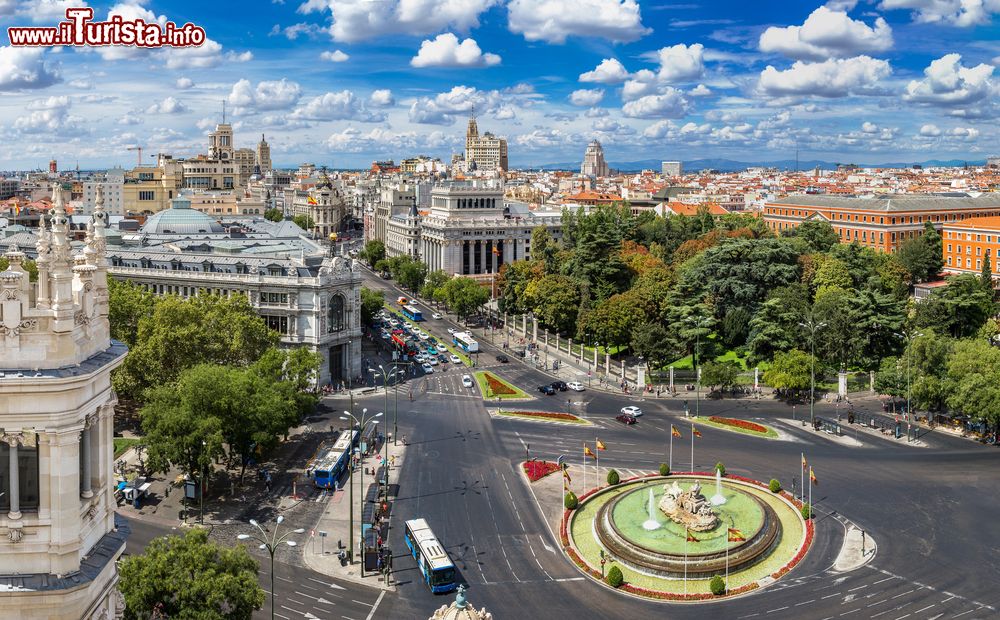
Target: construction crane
x=136, y=148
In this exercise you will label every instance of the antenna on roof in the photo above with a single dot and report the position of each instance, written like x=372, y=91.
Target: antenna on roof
x=223, y=111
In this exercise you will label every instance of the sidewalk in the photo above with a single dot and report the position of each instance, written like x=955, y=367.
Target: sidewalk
x=322, y=553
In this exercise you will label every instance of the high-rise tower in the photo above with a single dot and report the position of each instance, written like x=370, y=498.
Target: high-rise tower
x=59, y=533
x=593, y=161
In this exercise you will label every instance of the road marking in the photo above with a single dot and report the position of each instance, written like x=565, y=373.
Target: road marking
x=850, y=612
x=881, y=580
x=925, y=608
x=774, y=610
x=848, y=598
x=858, y=588
x=291, y=600
x=569, y=579
x=830, y=596
x=906, y=616
x=375, y=606
x=963, y=613
x=879, y=602
x=280, y=616
x=905, y=593
x=329, y=585
x=805, y=602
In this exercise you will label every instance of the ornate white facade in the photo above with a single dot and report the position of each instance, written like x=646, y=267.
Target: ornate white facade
x=59, y=534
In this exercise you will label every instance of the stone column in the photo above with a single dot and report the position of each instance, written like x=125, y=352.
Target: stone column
x=534, y=330
x=546, y=340
x=842, y=383
x=623, y=369
x=557, y=341
x=482, y=256
x=85, y=488
x=607, y=362
x=756, y=378
x=595, y=359
x=14, y=440
x=671, y=379
x=871, y=381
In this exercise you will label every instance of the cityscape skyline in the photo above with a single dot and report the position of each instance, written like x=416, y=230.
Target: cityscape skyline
x=335, y=84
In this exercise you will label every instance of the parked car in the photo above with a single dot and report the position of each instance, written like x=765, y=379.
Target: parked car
x=547, y=389
x=385, y=275
x=467, y=381
x=576, y=386
x=451, y=330
x=632, y=411
x=436, y=316
x=560, y=385
x=503, y=359
x=625, y=418
x=423, y=335
x=443, y=358
x=455, y=359
x=433, y=361
x=427, y=368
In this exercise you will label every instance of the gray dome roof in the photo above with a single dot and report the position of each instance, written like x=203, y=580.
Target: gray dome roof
x=181, y=219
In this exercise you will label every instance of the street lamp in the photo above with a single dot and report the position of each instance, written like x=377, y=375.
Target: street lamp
x=350, y=481
x=271, y=545
x=201, y=489
x=812, y=326
x=909, y=343
x=385, y=389
x=700, y=325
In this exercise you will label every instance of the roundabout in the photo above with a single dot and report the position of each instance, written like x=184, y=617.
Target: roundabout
x=668, y=540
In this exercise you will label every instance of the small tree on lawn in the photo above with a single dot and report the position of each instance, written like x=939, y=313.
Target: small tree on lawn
x=664, y=469
x=775, y=486
x=807, y=511
x=571, y=501
x=722, y=468
x=717, y=585
x=613, y=477
x=615, y=578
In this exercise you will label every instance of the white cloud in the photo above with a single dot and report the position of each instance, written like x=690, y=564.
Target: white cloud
x=869, y=127
x=610, y=71
x=129, y=119
x=184, y=83
x=596, y=113
x=378, y=140
x=700, y=91
x=443, y=108
x=554, y=20
x=447, y=51
x=246, y=56
x=680, y=63
x=948, y=83
x=968, y=133
x=48, y=12
x=267, y=95
x=833, y=78
x=170, y=105
x=51, y=103
x=207, y=55
x=334, y=56
x=505, y=113
x=827, y=33
x=669, y=104
x=643, y=84
x=25, y=68
x=586, y=97
x=545, y=140
x=381, y=98
x=961, y=13
x=659, y=130
x=357, y=20
x=343, y=105
x=294, y=31
x=930, y=130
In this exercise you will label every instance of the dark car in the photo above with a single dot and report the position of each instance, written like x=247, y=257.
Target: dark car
x=443, y=359
x=560, y=385
x=502, y=358
x=385, y=275
x=547, y=389
x=625, y=418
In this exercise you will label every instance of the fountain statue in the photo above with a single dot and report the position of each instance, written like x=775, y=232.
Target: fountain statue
x=688, y=508
x=651, y=523
x=718, y=499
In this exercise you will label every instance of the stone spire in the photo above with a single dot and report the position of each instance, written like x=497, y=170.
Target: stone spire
x=61, y=263
x=43, y=261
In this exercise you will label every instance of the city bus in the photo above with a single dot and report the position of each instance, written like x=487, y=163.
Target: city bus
x=332, y=463
x=412, y=313
x=466, y=342
x=435, y=566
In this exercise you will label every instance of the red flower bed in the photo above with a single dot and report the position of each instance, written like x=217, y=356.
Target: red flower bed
x=497, y=386
x=798, y=556
x=545, y=415
x=750, y=426
x=536, y=470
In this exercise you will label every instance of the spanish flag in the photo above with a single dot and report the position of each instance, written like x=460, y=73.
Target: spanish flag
x=674, y=431
x=812, y=477
x=496, y=251
x=311, y=200
x=587, y=452
x=695, y=431
x=736, y=535
x=804, y=464
x=566, y=474
x=690, y=536
x=600, y=445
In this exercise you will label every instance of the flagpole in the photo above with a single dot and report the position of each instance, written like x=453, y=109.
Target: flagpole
x=597, y=455
x=727, y=558
x=670, y=459
x=584, y=465
x=802, y=466
x=692, y=448
x=810, y=491
x=687, y=537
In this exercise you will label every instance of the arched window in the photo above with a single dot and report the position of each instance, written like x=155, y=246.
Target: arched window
x=335, y=315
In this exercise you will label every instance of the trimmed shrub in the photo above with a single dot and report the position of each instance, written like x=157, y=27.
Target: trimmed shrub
x=615, y=578
x=717, y=585
x=719, y=466
x=664, y=469
x=807, y=511
x=613, y=477
x=774, y=485
x=571, y=501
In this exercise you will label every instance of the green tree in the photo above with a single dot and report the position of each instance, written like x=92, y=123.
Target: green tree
x=923, y=256
x=877, y=317
x=719, y=374
x=189, y=577
x=594, y=240
x=832, y=273
x=986, y=275
x=929, y=353
x=959, y=309
x=544, y=249
x=775, y=327
x=891, y=377
x=818, y=235
x=177, y=433
x=512, y=281
x=973, y=380
x=304, y=222
x=612, y=321
x=372, y=301
x=654, y=343
x=615, y=577
x=838, y=342
x=717, y=585
x=128, y=303
x=735, y=327
x=433, y=283
x=412, y=275
x=790, y=371
x=273, y=215
x=613, y=477
x=555, y=300
x=372, y=252
x=464, y=296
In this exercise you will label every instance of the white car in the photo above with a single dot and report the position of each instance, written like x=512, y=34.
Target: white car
x=436, y=316
x=576, y=386
x=632, y=411
x=466, y=380
x=433, y=361
x=420, y=357
x=422, y=335
x=455, y=359
x=428, y=368
x=451, y=330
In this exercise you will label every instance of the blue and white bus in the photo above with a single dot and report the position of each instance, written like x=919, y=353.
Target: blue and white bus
x=466, y=342
x=412, y=313
x=331, y=464
x=435, y=566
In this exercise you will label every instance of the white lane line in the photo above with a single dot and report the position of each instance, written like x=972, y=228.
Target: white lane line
x=375, y=606
x=329, y=585
x=904, y=593
x=774, y=610
x=858, y=588
x=829, y=596
x=805, y=602
x=885, y=600
x=291, y=600
x=280, y=616
x=569, y=579
x=846, y=613
x=906, y=616
x=963, y=613
x=881, y=580
x=925, y=608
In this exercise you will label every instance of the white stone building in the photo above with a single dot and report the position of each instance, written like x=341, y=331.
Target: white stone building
x=324, y=204
x=593, y=161
x=61, y=536
x=112, y=185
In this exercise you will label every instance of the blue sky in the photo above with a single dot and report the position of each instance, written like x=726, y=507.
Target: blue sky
x=343, y=82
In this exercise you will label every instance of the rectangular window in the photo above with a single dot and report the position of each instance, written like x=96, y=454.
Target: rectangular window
x=27, y=468
x=146, y=195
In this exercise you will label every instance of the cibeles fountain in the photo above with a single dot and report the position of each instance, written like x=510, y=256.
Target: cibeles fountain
x=672, y=530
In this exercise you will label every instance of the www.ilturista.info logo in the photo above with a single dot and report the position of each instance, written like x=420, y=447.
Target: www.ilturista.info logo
x=79, y=29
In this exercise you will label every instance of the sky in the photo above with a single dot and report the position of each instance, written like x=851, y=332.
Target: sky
x=344, y=82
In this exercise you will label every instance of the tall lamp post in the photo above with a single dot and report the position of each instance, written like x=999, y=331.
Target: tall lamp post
x=271, y=545
x=700, y=325
x=201, y=488
x=812, y=326
x=385, y=388
x=350, y=481
x=908, y=337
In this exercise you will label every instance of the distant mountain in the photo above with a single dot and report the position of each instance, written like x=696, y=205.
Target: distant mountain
x=729, y=165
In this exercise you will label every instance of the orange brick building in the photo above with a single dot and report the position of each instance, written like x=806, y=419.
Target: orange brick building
x=882, y=223
x=966, y=245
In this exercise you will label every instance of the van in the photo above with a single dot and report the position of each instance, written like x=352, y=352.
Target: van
x=402, y=301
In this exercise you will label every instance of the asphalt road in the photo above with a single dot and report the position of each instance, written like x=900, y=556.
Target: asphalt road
x=930, y=509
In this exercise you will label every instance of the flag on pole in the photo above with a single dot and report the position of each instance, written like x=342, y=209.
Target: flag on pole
x=695, y=431
x=311, y=200
x=812, y=477
x=496, y=251
x=736, y=535
x=600, y=445
x=587, y=452
x=566, y=475
x=690, y=536
x=673, y=431
x=805, y=465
